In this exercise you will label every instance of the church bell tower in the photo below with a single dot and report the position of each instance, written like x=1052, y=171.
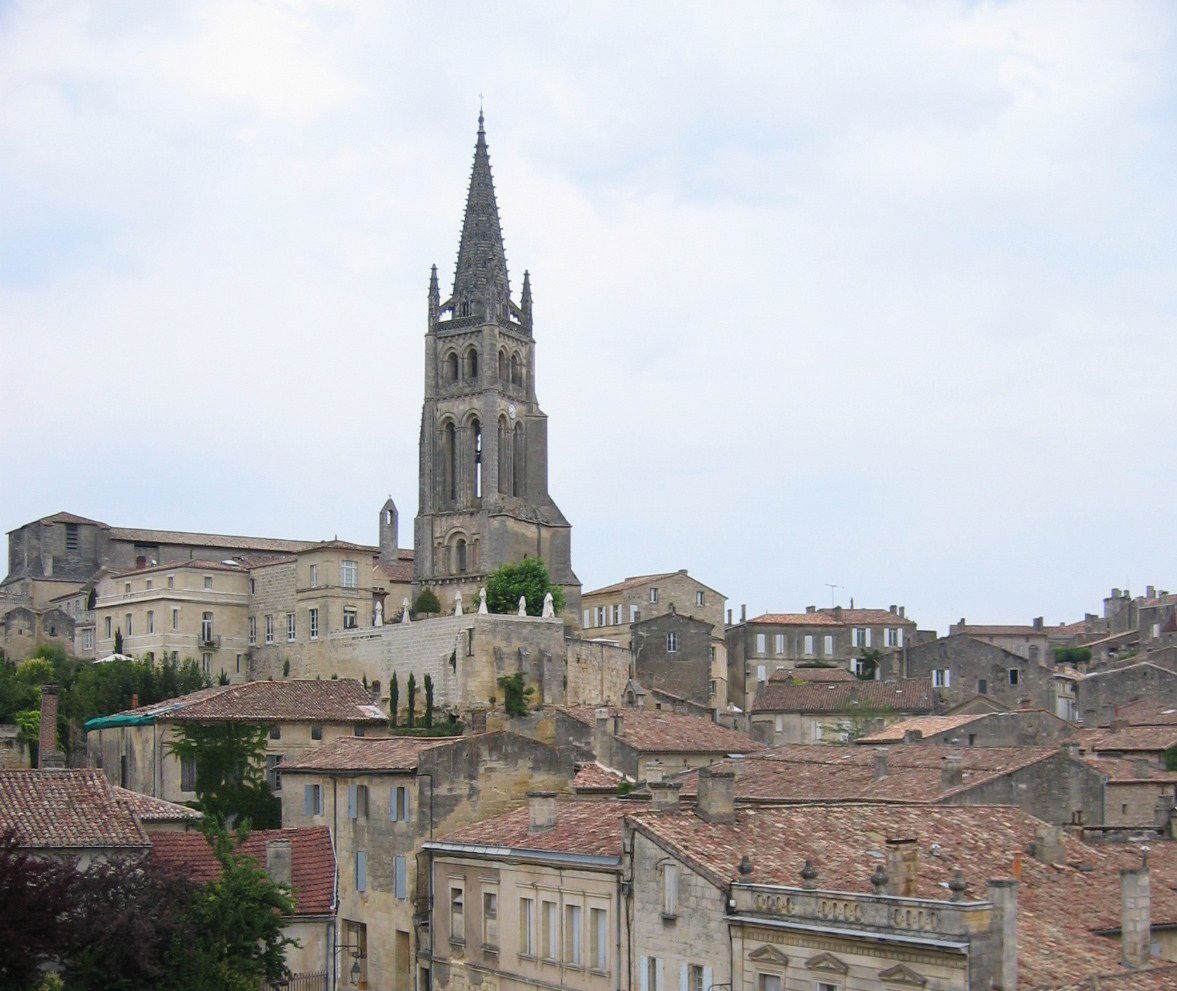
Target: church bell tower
x=484, y=498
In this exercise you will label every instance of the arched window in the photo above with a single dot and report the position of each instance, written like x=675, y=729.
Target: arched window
x=476, y=452
x=504, y=369
x=516, y=374
x=518, y=467
x=449, y=454
x=472, y=364
x=504, y=456
x=460, y=549
x=465, y=309
x=451, y=367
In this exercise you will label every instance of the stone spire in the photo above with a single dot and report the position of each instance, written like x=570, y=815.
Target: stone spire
x=480, y=279
x=525, y=297
x=434, y=295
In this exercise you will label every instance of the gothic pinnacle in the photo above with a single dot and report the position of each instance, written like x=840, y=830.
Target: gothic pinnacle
x=480, y=278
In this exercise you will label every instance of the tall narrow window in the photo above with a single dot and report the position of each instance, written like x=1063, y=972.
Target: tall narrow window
x=516, y=373
x=71, y=536
x=828, y=648
x=551, y=931
x=572, y=935
x=314, y=623
x=252, y=627
x=653, y=595
x=476, y=452
x=761, y=643
x=348, y=574
x=457, y=915
x=671, y=643
x=269, y=628
x=206, y=627
x=519, y=463
x=449, y=446
x=175, y=619
x=150, y=621
x=504, y=456
x=490, y=919
x=504, y=370
x=350, y=617
x=290, y=627
x=527, y=927
x=472, y=364
x=808, y=644
x=599, y=938
x=129, y=625
x=451, y=366
x=460, y=556
x=400, y=887
x=670, y=889
x=314, y=576
x=779, y=643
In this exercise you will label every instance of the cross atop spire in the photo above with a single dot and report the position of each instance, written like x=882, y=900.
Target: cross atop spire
x=481, y=285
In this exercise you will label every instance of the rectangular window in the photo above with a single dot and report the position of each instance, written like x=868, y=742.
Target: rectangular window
x=269, y=628
x=107, y=628
x=670, y=890
x=778, y=643
x=290, y=627
x=208, y=582
x=599, y=937
x=130, y=629
x=1014, y=674
x=71, y=536
x=171, y=581
x=314, y=576
x=941, y=677
x=695, y=978
x=490, y=919
x=399, y=804
x=87, y=639
x=457, y=915
x=982, y=686
x=239, y=664
x=551, y=931
x=573, y=936
x=273, y=771
x=829, y=645
x=527, y=927
x=761, y=673
x=252, y=630
x=858, y=636
x=275, y=732
x=312, y=797
x=768, y=982
x=349, y=618
x=672, y=643
x=653, y=972
x=150, y=584
x=314, y=617
x=699, y=601
x=316, y=731
x=175, y=619
x=187, y=774
x=357, y=801
x=892, y=637
x=615, y=609
x=761, y=647
x=150, y=620
x=400, y=886
x=361, y=870
x=253, y=586
x=206, y=661
x=809, y=645
x=348, y=574
x=653, y=595
x=127, y=589
x=598, y=615
x=634, y=614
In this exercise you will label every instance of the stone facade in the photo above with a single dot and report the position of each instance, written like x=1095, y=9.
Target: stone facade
x=674, y=654
x=961, y=667
x=1099, y=692
x=611, y=611
x=1030, y=641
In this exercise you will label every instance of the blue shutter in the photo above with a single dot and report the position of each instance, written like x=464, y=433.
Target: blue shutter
x=392, y=802
x=707, y=979
x=308, y=795
x=408, y=802
x=361, y=871
x=400, y=878
x=351, y=801
x=643, y=974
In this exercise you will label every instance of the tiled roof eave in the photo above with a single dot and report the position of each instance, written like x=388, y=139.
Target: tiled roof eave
x=595, y=860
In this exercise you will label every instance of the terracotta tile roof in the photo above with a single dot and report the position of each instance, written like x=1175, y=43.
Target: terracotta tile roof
x=1128, y=738
x=227, y=541
x=635, y=581
x=197, y=564
x=67, y=809
x=595, y=777
x=338, y=545
x=1122, y=770
x=295, y=700
x=795, y=619
x=904, y=695
x=971, y=630
x=148, y=809
x=662, y=731
x=1148, y=712
x=805, y=675
x=589, y=828
x=400, y=572
x=1058, y=906
x=312, y=867
x=926, y=725
x=821, y=773
x=1161, y=978
x=365, y=754
x=64, y=517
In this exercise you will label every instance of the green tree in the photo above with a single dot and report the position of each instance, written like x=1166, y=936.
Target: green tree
x=394, y=699
x=1072, y=655
x=118, y=641
x=868, y=664
x=516, y=695
x=856, y=719
x=229, y=759
x=1170, y=758
x=412, y=699
x=426, y=602
x=530, y=579
x=36, y=671
x=428, y=701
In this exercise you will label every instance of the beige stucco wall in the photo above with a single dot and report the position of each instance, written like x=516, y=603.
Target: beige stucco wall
x=1132, y=803
x=678, y=590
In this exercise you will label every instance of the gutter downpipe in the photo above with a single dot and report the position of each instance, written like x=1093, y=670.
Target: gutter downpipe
x=334, y=833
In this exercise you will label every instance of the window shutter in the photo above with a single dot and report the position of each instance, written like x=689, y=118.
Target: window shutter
x=659, y=976
x=868, y=636
x=643, y=973
x=706, y=979
x=683, y=980
x=899, y=640
x=351, y=801
x=948, y=677
x=399, y=875
x=392, y=801
x=361, y=871
x=308, y=794
x=408, y=802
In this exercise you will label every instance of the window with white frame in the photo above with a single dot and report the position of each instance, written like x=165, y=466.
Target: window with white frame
x=106, y=628
x=314, y=576
x=809, y=645
x=634, y=614
x=130, y=629
x=599, y=616
x=859, y=637
x=672, y=643
x=269, y=628
x=695, y=978
x=761, y=672
x=828, y=647
x=527, y=927
x=490, y=917
x=761, y=643
x=670, y=890
x=653, y=595
x=349, y=618
x=252, y=628
x=314, y=624
x=206, y=627
x=208, y=581
x=290, y=629
x=779, y=644
x=349, y=573
x=206, y=662
x=150, y=620
x=457, y=913
x=699, y=600
x=573, y=935
x=615, y=611
x=599, y=939
x=87, y=639
x=651, y=976
x=941, y=677
x=550, y=930
x=892, y=636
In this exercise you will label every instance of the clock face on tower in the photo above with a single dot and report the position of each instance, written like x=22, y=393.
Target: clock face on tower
x=511, y=410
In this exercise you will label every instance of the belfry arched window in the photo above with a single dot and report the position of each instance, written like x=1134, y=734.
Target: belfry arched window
x=504, y=368
x=460, y=561
x=449, y=460
x=472, y=364
x=451, y=367
x=476, y=452
x=516, y=374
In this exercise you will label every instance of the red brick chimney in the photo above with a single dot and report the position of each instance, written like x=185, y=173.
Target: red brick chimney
x=47, y=752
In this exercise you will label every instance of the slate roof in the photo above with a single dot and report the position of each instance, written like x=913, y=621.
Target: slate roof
x=811, y=675
x=312, y=867
x=663, y=731
x=587, y=828
x=360, y=754
x=295, y=700
x=1059, y=906
x=148, y=809
x=903, y=695
x=821, y=773
x=67, y=809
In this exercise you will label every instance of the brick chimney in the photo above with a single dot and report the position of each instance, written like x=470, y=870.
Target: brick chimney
x=47, y=752
x=716, y=798
x=1002, y=893
x=881, y=769
x=903, y=866
x=1135, y=911
x=541, y=806
x=1048, y=844
x=664, y=795
x=951, y=773
x=278, y=860
x=912, y=735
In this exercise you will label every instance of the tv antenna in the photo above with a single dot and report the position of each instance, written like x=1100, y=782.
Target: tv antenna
x=833, y=594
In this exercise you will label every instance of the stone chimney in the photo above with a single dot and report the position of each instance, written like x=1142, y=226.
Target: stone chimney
x=1002, y=893
x=541, y=807
x=1048, y=844
x=743, y=613
x=1070, y=748
x=903, y=867
x=278, y=860
x=618, y=724
x=664, y=795
x=951, y=774
x=1163, y=813
x=811, y=609
x=903, y=612
x=729, y=617
x=881, y=769
x=1135, y=911
x=912, y=735
x=653, y=771
x=1038, y=621
x=47, y=752
x=893, y=610
x=716, y=799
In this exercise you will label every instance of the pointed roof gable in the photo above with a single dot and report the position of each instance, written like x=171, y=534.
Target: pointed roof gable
x=480, y=277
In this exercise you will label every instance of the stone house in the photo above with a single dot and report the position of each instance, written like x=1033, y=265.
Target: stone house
x=796, y=707
x=644, y=744
x=131, y=747
x=382, y=798
x=675, y=654
x=300, y=858
x=760, y=646
x=1137, y=794
x=611, y=611
x=1019, y=728
x=1101, y=693
x=1030, y=641
x=534, y=898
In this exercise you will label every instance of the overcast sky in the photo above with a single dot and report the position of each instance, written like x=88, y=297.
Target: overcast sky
x=873, y=294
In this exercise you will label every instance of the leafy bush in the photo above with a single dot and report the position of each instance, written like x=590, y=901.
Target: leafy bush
x=530, y=579
x=427, y=602
x=516, y=695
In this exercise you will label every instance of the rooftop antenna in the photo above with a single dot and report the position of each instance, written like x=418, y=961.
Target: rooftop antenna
x=833, y=595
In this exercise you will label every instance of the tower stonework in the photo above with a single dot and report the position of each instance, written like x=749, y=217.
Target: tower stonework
x=484, y=498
